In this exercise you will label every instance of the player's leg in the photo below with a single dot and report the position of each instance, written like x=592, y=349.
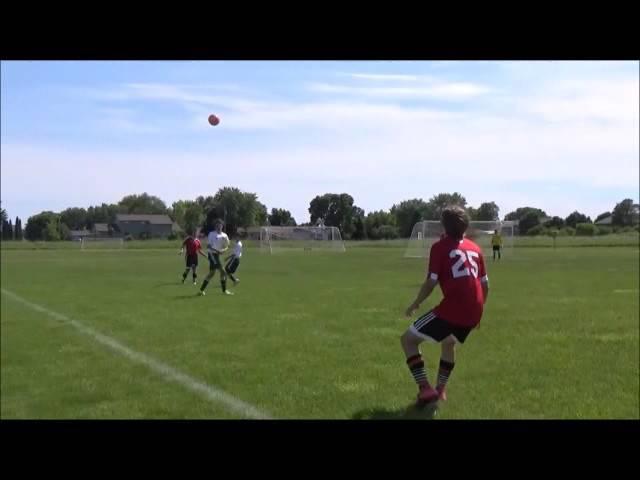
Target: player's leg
x=188, y=266
x=448, y=357
x=447, y=362
x=194, y=274
x=426, y=327
x=212, y=271
x=231, y=268
x=499, y=253
x=184, y=274
x=223, y=281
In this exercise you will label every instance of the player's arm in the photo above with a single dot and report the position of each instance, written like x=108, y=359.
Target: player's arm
x=484, y=279
x=182, y=247
x=201, y=252
x=425, y=290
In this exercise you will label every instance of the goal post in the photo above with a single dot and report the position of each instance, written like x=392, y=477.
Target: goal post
x=426, y=232
x=101, y=243
x=282, y=239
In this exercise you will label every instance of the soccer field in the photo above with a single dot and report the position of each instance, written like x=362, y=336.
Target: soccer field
x=113, y=334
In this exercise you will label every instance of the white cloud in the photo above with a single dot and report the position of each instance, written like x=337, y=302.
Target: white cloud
x=444, y=91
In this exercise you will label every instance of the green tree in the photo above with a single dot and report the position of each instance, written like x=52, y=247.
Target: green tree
x=576, y=217
x=74, y=218
x=487, y=212
x=438, y=202
x=375, y=221
x=142, y=204
x=336, y=210
x=530, y=220
x=193, y=217
x=281, y=217
x=521, y=212
x=45, y=226
x=236, y=208
x=554, y=223
x=407, y=213
x=624, y=213
x=18, y=229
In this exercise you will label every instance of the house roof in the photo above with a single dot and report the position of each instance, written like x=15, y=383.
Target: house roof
x=152, y=219
x=101, y=227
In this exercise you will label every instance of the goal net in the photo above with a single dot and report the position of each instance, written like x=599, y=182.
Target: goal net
x=101, y=243
x=280, y=239
x=426, y=232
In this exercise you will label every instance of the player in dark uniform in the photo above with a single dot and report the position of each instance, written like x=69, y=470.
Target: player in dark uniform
x=194, y=248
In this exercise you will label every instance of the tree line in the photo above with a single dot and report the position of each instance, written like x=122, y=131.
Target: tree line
x=240, y=209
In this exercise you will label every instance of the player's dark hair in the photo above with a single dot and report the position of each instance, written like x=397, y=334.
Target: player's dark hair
x=455, y=221
x=218, y=222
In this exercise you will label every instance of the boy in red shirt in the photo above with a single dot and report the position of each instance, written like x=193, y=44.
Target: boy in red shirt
x=457, y=264
x=194, y=248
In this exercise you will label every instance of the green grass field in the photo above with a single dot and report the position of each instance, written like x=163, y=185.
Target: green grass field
x=313, y=335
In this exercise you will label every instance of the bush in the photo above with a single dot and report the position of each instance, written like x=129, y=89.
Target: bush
x=604, y=230
x=586, y=229
x=172, y=236
x=567, y=232
x=386, y=232
x=538, y=230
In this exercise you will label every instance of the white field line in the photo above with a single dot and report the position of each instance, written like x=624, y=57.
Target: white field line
x=165, y=371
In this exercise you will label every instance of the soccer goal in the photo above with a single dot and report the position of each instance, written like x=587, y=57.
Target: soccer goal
x=101, y=243
x=426, y=232
x=282, y=239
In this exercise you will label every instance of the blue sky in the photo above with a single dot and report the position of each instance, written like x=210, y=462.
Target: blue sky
x=555, y=135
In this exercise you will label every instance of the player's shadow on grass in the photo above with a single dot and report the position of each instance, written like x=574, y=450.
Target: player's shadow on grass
x=408, y=413
x=186, y=296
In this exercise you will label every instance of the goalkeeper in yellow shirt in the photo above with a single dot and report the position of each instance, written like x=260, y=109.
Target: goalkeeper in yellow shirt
x=496, y=243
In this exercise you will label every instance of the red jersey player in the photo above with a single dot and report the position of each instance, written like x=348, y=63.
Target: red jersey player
x=193, y=249
x=457, y=264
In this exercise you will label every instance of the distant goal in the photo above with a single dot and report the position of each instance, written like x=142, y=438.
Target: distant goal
x=426, y=232
x=98, y=243
x=283, y=239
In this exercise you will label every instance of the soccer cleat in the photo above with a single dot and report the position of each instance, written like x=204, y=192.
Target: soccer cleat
x=236, y=281
x=201, y=293
x=195, y=283
x=227, y=292
x=442, y=392
x=426, y=396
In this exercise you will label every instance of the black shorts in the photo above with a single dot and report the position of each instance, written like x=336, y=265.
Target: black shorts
x=431, y=327
x=232, y=265
x=214, y=261
x=496, y=248
x=192, y=260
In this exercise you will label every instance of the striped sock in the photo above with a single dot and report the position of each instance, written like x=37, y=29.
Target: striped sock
x=444, y=371
x=416, y=365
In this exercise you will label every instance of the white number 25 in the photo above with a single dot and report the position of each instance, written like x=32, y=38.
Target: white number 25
x=457, y=269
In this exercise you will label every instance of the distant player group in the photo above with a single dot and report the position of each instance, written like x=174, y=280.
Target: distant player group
x=217, y=244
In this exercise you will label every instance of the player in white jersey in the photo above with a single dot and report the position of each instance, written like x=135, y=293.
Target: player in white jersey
x=233, y=261
x=218, y=242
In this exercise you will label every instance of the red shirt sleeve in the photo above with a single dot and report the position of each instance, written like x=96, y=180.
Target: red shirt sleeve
x=482, y=270
x=435, y=262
